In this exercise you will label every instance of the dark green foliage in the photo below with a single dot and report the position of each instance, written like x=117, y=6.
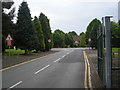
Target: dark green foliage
x=68, y=40
x=7, y=5
x=46, y=29
x=72, y=33
x=115, y=34
x=114, y=29
x=59, y=31
x=58, y=39
x=61, y=39
x=83, y=40
x=7, y=25
x=40, y=35
x=92, y=32
x=4, y=43
x=82, y=33
x=25, y=36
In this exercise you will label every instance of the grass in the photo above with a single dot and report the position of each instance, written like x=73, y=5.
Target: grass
x=117, y=55
x=16, y=52
x=115, y=50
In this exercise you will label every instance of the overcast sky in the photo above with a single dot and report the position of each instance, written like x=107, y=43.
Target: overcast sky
x=68, y=15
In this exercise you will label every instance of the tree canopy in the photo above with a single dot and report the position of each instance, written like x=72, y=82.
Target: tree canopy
x=25, y=36
x=59, y=38
x=68, y=40
x=46, y=29
x=91, y=32
x=72, y=33
x=40, y=35
x=83, y=40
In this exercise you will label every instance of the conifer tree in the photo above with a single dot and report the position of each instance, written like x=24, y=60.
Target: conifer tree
x=25, y=36
x=46, y=29
x=40, y=35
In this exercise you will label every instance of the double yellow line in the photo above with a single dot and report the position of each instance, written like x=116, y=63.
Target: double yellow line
x=87, y=72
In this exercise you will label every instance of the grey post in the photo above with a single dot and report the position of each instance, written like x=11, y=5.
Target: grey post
x=108, y=57
x=9, y=50
x=103, y=39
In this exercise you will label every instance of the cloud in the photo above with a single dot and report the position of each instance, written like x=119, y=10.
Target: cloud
x=70, y=15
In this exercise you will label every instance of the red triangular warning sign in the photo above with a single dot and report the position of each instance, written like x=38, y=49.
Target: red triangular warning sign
x=9, y=38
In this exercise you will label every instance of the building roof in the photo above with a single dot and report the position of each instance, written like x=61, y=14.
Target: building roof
x=76, y=38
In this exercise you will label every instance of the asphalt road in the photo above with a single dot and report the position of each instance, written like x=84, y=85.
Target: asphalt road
x=64, y=69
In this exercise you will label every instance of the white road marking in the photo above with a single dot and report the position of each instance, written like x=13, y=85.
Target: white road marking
x=15, y=85
x=67, y=53
x=57, y=60
x=63, y=56
x=42, y=69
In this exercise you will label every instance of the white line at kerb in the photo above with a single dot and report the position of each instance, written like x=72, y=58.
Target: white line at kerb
x=42, y=69
x=57, y=60
x=15, y=85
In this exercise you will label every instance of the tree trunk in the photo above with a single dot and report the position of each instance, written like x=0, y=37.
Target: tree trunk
x=25, y=51
x=36, y=51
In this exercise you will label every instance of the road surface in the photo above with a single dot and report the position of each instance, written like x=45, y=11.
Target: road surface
x=64, y=69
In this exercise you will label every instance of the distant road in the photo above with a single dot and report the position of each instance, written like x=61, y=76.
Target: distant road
x=64, y=69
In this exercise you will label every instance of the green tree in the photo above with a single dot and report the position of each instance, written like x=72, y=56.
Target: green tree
x=114, y=29
x=81, y=33
x=7, y=25
x=25, y=36
x=72, y=33
x=115, y=34
x=40, y=35
x=59, y=38
x=68, y=40
x=92, y=32
x=7, y=5
x=83, y=40
x=46, y=29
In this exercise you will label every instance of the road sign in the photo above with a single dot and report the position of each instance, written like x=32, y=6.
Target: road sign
x=89, y=39
x=8, y=42
x=9, y=38
x=49, y=40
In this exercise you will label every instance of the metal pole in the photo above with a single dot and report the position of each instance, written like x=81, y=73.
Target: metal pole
x=9, y=50
x=103, y=50
x=49, y=45
x=108, y=57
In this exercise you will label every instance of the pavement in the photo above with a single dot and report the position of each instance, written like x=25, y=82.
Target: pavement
x=69, y=68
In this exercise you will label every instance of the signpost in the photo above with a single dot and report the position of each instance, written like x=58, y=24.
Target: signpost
x=49, y=42
x=9, y=39
x=89, y=40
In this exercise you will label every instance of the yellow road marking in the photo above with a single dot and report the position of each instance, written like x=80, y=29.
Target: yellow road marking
x=23, y=63
x=89, y=74
x=85, y=82
x=90, y=84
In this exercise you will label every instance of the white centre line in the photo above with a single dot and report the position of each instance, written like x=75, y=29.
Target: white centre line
x=63, y=56
x=67, y=53
x=15, y=85
x=57, y=60
x=42, y=69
